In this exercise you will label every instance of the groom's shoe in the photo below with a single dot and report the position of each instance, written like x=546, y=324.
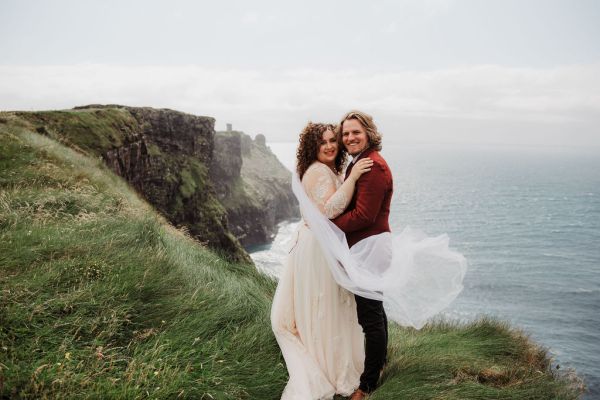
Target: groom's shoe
x=358, y=395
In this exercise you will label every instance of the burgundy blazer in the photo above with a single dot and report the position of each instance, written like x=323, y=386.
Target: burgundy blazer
x=369, y=210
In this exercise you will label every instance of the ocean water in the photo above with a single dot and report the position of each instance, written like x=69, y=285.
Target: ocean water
x=528, y=221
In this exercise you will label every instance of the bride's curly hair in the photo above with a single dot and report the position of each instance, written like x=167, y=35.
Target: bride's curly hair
x=308, y=148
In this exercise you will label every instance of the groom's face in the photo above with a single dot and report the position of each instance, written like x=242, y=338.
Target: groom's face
x=354, y=136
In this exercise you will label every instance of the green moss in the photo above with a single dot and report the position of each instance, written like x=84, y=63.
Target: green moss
x=153, y=150
x=194, y=177
x=188, y=184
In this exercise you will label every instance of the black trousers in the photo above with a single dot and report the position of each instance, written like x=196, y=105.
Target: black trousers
x=372, y=319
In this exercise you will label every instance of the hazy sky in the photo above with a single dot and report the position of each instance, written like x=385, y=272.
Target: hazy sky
x=467, y=71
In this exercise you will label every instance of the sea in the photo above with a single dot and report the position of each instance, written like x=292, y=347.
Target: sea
x=528, y=221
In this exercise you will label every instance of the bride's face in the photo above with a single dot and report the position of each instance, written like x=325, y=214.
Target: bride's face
x=328, y=148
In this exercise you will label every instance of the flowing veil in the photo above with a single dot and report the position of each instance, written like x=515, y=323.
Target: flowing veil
x=414, y=275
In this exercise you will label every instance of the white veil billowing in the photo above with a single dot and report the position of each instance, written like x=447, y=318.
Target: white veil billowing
x=414, y=275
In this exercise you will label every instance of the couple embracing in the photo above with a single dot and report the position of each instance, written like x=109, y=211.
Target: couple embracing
x=328, y=312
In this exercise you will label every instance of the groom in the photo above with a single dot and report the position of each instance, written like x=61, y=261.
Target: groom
x=367, y=215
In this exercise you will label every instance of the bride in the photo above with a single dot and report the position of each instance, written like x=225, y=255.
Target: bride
x=313, y=318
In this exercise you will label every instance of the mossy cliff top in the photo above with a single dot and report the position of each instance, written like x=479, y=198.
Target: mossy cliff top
x=100, y=297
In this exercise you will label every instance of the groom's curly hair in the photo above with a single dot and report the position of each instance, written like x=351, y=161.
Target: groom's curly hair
x=308, y=148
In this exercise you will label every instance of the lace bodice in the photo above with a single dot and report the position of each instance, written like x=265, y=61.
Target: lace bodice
x=322, y=186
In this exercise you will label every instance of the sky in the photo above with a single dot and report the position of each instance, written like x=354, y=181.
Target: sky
x=430, y=71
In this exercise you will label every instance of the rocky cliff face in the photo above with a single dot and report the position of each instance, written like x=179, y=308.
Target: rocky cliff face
x=253, y=186
x=175, y=161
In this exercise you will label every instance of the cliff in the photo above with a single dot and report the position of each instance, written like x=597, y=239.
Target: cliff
x=168, y=157
x=253, y=186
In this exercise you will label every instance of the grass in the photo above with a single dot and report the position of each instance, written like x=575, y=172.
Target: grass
x=102, y=298
x=485, y=359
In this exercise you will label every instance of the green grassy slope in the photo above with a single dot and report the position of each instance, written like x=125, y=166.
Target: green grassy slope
x=101, y=298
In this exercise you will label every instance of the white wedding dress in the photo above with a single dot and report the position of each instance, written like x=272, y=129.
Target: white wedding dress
x=313, y=318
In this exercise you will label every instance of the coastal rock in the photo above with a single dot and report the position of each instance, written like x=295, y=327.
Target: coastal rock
x=254, y=187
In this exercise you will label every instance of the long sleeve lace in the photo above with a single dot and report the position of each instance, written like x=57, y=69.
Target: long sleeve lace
x=326, y=191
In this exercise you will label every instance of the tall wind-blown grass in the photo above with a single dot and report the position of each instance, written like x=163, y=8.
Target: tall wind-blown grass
x=101, y=298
